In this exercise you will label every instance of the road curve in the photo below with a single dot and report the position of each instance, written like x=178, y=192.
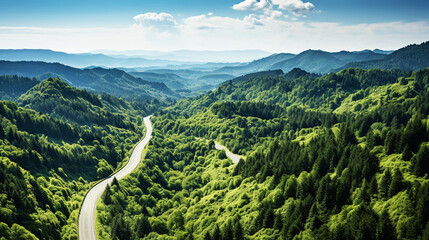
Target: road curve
x=234, y=157
x=87, y=212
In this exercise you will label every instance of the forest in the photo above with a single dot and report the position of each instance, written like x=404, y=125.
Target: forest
x=339, y=156
x=348, y=163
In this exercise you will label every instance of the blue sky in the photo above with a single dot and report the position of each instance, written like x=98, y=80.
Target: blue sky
x=271, y=25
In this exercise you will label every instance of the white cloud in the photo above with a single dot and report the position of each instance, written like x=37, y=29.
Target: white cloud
x=161, y=21
x=151, y=16
x=296, y=7
x=210, y=32
x=253, y=5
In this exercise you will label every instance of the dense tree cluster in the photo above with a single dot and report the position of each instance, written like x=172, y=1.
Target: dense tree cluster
x=12, y=86
x=339, y=156
x=342, y=156
x=47, y=161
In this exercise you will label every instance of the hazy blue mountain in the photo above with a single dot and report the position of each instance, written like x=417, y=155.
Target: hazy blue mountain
x=383, y=51
x=172, y=80
x=346, y=56
x=315, y=61
x=311, y=60
x=257, y=65
x=113, y=81
x=216, y=78
x=79, y=60
x=185, y=78
x=411, y=57
x=192, y=55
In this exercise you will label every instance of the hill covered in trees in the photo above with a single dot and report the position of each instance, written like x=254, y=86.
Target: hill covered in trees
x=50, y=157
x=411, y=58
x=339, y=156
x=12, y=86
x=112, y=81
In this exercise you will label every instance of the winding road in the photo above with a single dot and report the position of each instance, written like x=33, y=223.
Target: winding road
x=234, y=157
x=87, y=212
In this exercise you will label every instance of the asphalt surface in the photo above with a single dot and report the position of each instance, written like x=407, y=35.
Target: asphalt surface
x=89, y=205
x=235, y=158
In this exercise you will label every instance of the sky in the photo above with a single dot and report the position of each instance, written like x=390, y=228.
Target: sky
x=166, y=25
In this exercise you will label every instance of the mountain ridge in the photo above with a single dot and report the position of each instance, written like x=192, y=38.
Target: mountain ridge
x=113, y=81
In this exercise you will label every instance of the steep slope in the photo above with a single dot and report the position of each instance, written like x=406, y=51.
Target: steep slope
x=58, y=99
x=12, y=86
x=412, y=57
x=308, y=172
x=48, y=161
x=111, y=81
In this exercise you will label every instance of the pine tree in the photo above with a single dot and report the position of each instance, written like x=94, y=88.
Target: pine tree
x=216, y=233
x=2, y=132
x=396, y=184
x=385, y=229
x=384, y=186
x=115, y=182
x=373, y=186
x=207, y=236
x=406, y=153
x=420, y=161
x=107, y=198
x=268, y=218
x=278, y=222
x=143, y=227
x=227, y=231
x=238, y=231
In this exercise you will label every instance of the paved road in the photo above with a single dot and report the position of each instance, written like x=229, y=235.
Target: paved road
x=235, y=158
x=87, y=212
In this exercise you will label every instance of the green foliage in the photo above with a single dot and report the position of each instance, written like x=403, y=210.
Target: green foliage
x=47, y=159
x=339, y=156
x=12, y=87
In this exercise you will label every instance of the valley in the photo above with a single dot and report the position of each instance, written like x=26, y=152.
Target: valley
x=282, y=147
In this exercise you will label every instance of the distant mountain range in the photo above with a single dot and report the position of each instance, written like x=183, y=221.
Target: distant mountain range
x=412, y=57
x=315, y=61
x=136, y=72
x=113, y=81
x=192, y=55
x=80, y=60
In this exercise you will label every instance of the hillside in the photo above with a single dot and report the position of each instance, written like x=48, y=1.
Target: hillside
x=49, y=160
x=337, y=156
x=12, y=86
x=325, y=156
x=410, y=58
x=111, y=81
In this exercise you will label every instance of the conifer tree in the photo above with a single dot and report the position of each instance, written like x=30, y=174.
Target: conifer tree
x=107, y=198
x=384, y=186
x=396, y=184
x=385, y=229
x=216, y=233
x=238, y=231
x=406, y=153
